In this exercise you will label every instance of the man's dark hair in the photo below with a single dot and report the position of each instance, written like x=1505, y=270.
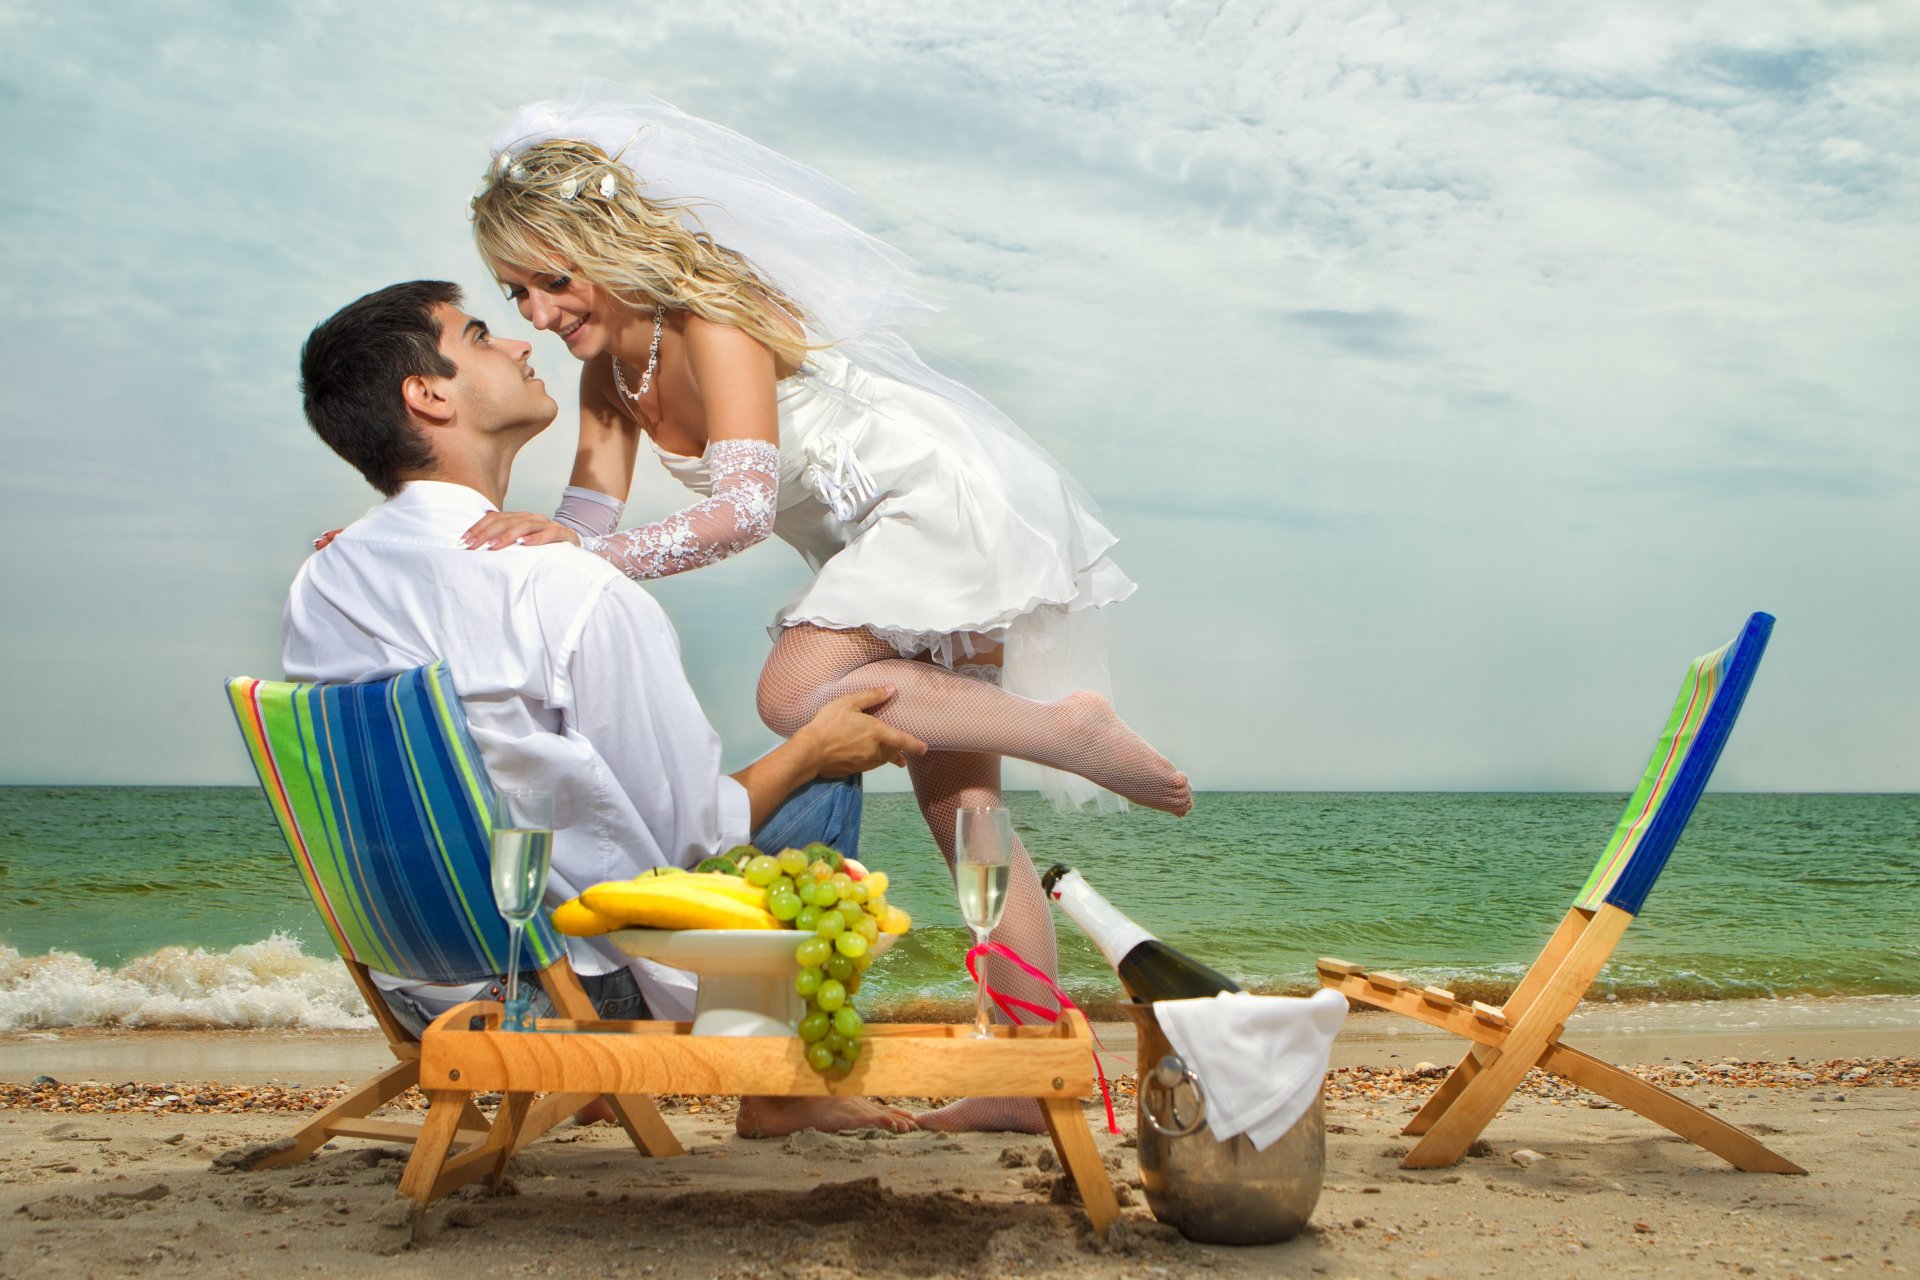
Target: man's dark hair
x=351, y=369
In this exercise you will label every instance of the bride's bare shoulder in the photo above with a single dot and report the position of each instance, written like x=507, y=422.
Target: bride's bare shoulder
x=711, y=340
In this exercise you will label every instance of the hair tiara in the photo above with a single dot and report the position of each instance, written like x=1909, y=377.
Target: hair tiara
x=508, y=169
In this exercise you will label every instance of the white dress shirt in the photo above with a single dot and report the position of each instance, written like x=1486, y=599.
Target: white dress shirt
x=571, y=680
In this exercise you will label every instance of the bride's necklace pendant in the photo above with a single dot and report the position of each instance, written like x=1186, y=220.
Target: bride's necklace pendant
x=653, y=359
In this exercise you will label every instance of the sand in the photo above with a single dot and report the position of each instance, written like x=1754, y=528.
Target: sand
x=115, y=1177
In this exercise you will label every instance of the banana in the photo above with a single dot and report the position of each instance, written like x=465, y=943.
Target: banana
x=673, y=898
x=577, y=920
x=673, y=902
x=727, y=886
x=730, y=887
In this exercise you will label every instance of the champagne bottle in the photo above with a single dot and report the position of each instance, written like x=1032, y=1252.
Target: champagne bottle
x=1149, y=969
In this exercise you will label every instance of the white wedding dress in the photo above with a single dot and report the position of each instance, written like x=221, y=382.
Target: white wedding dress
x=919, y=525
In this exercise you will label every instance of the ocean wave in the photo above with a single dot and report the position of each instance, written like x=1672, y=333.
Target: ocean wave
x=275, y=984
x=261, y=984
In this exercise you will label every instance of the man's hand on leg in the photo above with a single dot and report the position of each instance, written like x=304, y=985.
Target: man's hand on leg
x=849, y=739
x=842, y=738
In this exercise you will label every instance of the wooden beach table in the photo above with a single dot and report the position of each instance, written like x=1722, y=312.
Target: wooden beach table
x=465, y=1052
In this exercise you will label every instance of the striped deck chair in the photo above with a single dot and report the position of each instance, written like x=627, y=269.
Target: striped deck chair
x=383, y=800
x=1525, y=1032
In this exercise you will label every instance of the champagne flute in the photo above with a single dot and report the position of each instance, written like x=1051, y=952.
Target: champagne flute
x=522, y=857
x=982, y=864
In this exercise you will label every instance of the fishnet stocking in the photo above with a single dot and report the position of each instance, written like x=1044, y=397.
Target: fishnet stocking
x=944, y=782
x=810, y=666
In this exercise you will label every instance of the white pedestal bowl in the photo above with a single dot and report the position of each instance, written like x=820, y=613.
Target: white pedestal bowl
x=746, y=975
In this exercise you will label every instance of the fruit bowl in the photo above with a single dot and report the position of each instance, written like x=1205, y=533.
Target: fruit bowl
x=746, y=975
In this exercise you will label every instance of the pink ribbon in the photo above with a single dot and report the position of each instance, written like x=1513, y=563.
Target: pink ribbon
x=1010, y=1005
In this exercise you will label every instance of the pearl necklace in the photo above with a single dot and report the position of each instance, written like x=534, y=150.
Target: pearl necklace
x=653, y=358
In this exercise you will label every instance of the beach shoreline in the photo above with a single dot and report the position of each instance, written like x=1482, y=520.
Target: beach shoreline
x=118, y=1177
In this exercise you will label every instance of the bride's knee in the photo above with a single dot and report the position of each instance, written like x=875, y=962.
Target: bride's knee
x=780, y=710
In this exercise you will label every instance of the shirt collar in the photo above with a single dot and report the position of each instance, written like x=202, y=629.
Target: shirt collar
x=440, y=495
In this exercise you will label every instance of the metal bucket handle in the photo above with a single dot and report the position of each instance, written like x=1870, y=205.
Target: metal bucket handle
x=1163, y=1081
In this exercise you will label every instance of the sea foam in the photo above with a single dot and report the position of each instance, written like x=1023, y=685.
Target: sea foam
x=261, y=984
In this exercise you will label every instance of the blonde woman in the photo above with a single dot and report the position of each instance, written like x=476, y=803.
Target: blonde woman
x=732, y=323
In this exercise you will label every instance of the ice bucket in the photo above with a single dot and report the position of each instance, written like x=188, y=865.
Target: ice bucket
x=1218, y=1192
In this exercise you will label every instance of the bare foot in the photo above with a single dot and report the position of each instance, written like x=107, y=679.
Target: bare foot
x=986, y=1115
x=777, y=1117
x=596, y=1112
x=1120, y=760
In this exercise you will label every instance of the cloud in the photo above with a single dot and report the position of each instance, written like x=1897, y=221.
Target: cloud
x=1790, y=73
x=1346, y=314
x=1381, y=333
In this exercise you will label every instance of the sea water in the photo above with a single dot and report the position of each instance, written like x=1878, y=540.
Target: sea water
x=174, y=906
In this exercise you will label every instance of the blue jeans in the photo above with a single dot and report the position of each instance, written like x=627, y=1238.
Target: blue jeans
x=826, y=809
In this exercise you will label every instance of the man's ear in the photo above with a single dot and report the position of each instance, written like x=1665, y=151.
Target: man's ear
x=426, y=399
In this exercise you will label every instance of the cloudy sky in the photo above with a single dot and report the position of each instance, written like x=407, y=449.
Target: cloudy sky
x=1452, y=373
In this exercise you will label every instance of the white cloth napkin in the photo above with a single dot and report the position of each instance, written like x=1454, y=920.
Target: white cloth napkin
x=1259, y=1059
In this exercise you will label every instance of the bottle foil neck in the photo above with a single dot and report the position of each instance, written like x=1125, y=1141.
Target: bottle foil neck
x=1111, y=931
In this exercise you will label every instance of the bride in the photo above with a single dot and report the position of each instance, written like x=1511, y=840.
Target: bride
x=731, y=321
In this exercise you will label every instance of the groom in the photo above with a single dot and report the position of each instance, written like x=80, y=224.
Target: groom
x=570, y=674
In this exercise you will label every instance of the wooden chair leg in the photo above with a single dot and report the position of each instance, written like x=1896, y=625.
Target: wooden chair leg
x=510, y=1133
x=549, y=1111
x=1073, y=1143
x=430, y=1152
x=1456, y=1082
x=1568, y=932
x=643, y=1123
x=1547, y=963
x=642, y=1120
x=1734, y=1145
x=1471, y=1110
x=505, y=1138
x=1490, y=1088
x=369, y=1097
x=636, y=1112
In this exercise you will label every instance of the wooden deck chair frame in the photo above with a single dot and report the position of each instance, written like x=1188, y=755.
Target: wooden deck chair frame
x=1525, y=1032
x=383, y=801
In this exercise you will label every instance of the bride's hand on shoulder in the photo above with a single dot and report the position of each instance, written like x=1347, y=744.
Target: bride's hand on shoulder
x=320, y=543
x=499, y=529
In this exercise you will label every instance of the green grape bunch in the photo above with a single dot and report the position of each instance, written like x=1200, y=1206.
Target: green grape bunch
x=816, y=892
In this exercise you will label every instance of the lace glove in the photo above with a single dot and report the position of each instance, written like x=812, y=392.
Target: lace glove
x=746, y=489
x=588, y=512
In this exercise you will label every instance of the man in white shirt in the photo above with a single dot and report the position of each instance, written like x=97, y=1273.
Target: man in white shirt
x=570, y=674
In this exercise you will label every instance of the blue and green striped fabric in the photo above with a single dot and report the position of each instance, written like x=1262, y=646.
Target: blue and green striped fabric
x=383, y=800
x=1683, y=759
